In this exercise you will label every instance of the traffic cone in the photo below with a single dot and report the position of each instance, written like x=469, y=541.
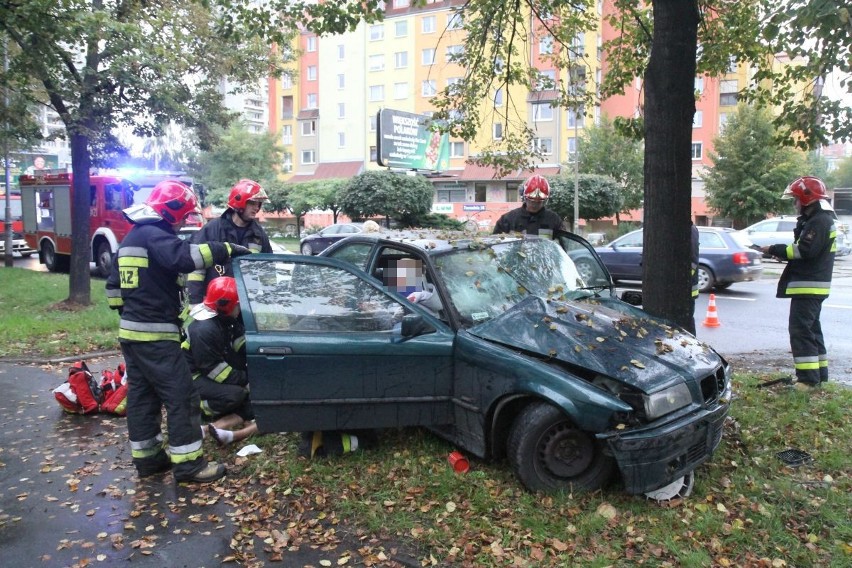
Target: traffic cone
x=712, y=319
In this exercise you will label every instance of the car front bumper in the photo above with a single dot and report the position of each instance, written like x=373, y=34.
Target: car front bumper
x=654, y=457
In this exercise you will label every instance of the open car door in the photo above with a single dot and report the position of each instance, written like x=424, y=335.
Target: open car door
x=328, y=348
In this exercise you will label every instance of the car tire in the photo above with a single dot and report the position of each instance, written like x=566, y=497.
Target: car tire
x=103, y=259
x=586, y=270
x=52, y=261
x=723, y=285
x=548, y=453
x=306, y=249
x=706, y=280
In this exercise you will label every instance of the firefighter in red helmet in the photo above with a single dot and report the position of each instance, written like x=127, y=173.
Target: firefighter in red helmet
x=215, y=350
x=238, y=224
x=806, y=279
x=145, y=286
x=531, y=218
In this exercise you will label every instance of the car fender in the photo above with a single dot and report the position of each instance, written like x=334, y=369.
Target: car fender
x=104, y=233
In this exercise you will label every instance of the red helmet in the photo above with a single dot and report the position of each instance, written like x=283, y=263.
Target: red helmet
x=806, y=189
x=221, y=296
x=173, y=201
x=245, y=190
x=537, y=188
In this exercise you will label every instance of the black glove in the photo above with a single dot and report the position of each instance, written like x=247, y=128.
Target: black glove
x=236, y=250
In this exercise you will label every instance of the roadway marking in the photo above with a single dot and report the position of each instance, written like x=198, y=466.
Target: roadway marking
x=841, y=306
x=738, y=299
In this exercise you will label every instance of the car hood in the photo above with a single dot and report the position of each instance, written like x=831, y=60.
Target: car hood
x=605, y=336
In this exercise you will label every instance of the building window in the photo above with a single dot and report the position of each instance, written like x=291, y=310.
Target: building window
x=341, y=81
x=545, y=45
x=400, y=90
x=696, y=150
x=312, y=100
x=341, y=110
x=312, y=72
x=341, y=139
x=400, y=28
x=450, y=195
x=311, y=43
x=287, y=134
x=723, y=121
x=732, y=64
x=454, y=52
x=542, y=112
x=428, y=56
x=341, y=52
x=287, y=162
x=308, y=157
x=456, y=149
x=287, y=106
x=543, y=145
x=377, y=32
x=498, y=131
x=698, y=119
x=699, y=85
x=546, y=80
x=401, y=3
x=498, y=97
x=428, y=25
x=400, y=59
x=512, y=192
x=728, y=93
x=286, y=81
x=377, y=92
x=428, y=88
x=374, y=155
x=572, y=149
x=377, y=62
x=575, y=118
x=309, y=128
x=455, y=21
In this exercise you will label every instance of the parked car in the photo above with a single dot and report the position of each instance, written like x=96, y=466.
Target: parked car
x=521, y=358
x=779, y=230
x=724, y=258
x=319, y=241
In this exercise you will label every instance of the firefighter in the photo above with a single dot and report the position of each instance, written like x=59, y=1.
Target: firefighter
x=145, y=286
x=238, y=224
x=531, y=218
x=806, y=279
x=215, y=350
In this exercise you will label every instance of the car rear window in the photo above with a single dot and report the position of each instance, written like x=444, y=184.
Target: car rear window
x=707, y=240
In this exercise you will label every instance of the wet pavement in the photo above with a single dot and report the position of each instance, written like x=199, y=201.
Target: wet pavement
x=69, y=495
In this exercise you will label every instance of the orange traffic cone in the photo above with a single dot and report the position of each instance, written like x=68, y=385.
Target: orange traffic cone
x=712, y=319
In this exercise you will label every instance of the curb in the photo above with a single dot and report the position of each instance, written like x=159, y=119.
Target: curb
x=38, y=361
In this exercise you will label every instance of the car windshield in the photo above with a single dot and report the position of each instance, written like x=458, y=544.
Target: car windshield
x=485, y=281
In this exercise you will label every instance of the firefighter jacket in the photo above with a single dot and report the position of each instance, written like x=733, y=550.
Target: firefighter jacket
x=215, y=349
x=146, y=281
x=810, y=258
x=542, y=223
x=223, y=229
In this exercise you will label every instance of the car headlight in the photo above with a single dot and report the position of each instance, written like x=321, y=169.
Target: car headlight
x=668, y=400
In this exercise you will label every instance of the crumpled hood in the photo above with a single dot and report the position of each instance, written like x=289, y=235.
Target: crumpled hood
x=606, y=336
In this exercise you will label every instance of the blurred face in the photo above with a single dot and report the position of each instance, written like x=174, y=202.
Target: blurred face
x=535, y=205
x=408, y=273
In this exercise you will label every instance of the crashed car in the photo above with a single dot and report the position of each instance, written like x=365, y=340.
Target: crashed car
x=515, y=355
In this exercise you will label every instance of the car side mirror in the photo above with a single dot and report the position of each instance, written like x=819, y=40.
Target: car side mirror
x=414, y=325
x=632, y=297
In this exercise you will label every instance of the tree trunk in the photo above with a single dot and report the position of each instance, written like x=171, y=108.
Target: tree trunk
x=669, y=110
x=79, y=283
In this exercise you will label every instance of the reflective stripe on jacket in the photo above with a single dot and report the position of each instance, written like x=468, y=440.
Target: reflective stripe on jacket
x=810, y=258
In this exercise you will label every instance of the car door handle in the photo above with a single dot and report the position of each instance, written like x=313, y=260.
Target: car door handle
x=275, y=351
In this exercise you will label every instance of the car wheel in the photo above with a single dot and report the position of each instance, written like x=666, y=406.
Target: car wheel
x=549, y=453
x=306, y=249
x=48, y=254
x=705, y=279
x=587, y=272
x=103, y=260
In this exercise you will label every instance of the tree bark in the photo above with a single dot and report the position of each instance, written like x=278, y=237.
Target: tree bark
x=669, y=110
x=79, y=284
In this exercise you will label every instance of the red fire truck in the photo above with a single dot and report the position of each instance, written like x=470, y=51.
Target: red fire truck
x=46, y=203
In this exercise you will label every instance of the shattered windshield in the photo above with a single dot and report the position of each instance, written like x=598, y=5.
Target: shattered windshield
x=486, y=280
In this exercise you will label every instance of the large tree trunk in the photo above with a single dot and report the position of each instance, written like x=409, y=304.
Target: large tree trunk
x=79, y=285
x=669, y=110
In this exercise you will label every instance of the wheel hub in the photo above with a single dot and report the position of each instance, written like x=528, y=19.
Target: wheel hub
x=566, y=452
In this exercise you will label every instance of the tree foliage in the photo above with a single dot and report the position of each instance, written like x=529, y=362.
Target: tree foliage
x=607, y=152
x=600, y=196
x=105, y=63
x=842, y=176
x=749, y=170
x=387, y=194
x=237, y=154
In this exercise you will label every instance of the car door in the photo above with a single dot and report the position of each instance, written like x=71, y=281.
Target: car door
x=326, y=351
x=326, y=237
x=623, y=257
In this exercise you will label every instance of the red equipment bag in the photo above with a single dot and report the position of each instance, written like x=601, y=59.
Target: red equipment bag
x=114, y=387
x=80, y=394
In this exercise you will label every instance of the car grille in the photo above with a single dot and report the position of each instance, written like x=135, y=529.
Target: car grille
x=712, y=386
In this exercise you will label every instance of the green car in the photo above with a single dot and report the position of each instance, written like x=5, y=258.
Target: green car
x=497, y=344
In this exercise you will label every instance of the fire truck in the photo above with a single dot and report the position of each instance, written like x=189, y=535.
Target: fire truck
x=46, y=199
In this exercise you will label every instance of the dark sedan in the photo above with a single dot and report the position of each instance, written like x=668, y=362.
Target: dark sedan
x=319, y=241
x=724, y=258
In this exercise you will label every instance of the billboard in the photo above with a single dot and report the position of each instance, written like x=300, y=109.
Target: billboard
x=405, y=142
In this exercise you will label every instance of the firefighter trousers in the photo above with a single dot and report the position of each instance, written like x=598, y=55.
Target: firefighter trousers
x=806, y=340
x=158, y=375
x=218, y=399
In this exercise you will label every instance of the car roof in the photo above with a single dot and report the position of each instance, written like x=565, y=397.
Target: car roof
x=431, y=241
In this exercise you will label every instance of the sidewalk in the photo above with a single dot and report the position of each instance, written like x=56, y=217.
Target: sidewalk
x=69, y=495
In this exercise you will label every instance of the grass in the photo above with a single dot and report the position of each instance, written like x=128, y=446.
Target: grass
x=747, y=507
